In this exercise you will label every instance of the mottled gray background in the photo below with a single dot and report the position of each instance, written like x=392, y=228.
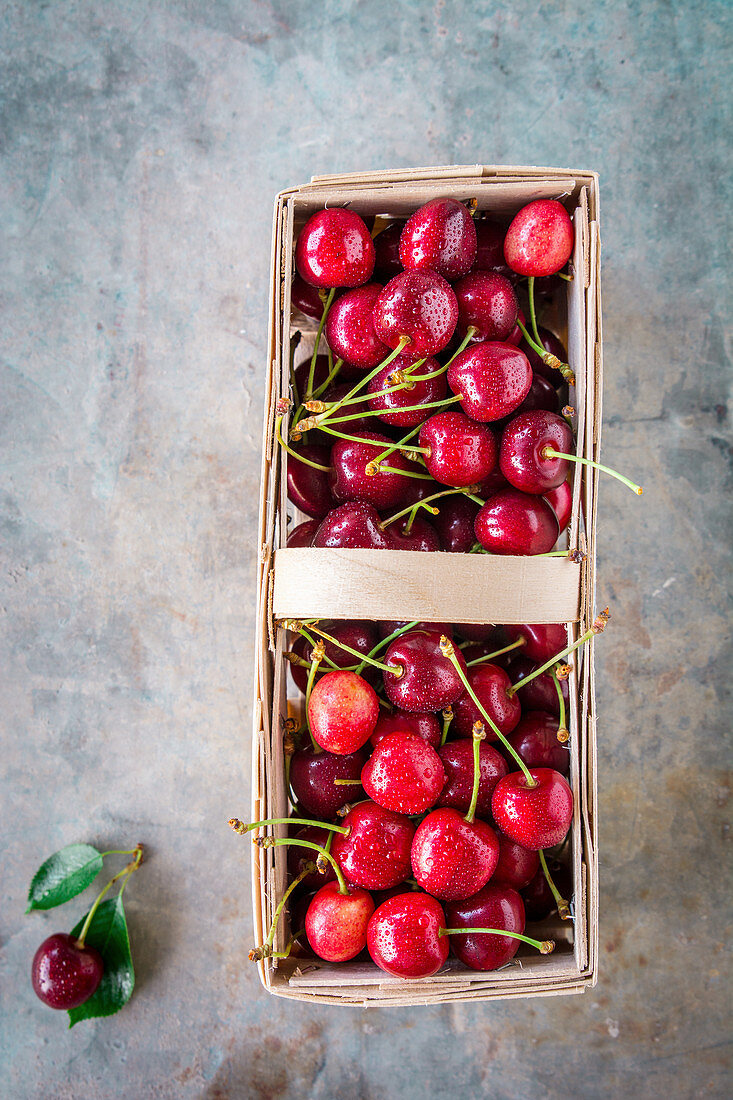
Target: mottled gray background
x=142, y=146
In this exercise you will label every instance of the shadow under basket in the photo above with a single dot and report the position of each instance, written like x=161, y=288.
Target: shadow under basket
x=437, y=587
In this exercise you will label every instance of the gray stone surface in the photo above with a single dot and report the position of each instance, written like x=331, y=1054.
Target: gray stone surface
x=141, y=147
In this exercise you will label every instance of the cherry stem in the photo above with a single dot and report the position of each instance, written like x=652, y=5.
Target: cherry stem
x=563, y=907
x=562, y=728
x=273, y=842
x=423, y=503
x=532, y=311
x=294, y=341
x=597, y=628
x=404, y=473
x=355, y=652
x=294, y=659
x=545, y=947
x=447, y=719
x=294, y=454
x=404, y=341
x=319, y=650
x=285, y=953
x=385, y=641
x=266, y=948
x=547, y=357
x=446, y=648
x=322, y=322
x=332, y=374
x=479, y=735
x=497, y=653
x=123, y=874
x=347, y=782
x=470, y=333
x=357, y=439
x=240, y=828
x=388, y=450
x=550, y=452
x=401, y=409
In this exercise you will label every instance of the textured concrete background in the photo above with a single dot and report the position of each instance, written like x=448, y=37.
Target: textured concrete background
x=142, y=145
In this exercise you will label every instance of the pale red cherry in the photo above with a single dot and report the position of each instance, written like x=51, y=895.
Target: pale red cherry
x=540, y=239
x=403, y=774
x=404, y=937
x=336, y=923
x=537, y=816
x=516, y=523
x=375, y=854
x=342, y=712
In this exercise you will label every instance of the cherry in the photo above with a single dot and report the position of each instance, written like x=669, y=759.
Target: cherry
x=452, y=857
x=387, y=246
x=421, y=536
x=335, y=249
x=440, y=236
x=454, y=523
x=542, y=395
x=492, y=484
x=540, y=693
x=515, y=336
x=539, y=900
x=457, y=757
x=428, y=680
x=308, y=488
x=350, y=328
x=421, y=392
x=541, y=640
x=350, y=481
x=354, y=526
x=490, y=247
x=492, y=378
x=403, y=774
x=303, y=534
x=536, y=816
x=359, y=634
x=495, y=906
x=298, y=858
x=553, y=345
x=418, y=307
x=490, y=684
x=517, y=523
x=517, y=866
x=535, y=740
x=424, y=725
x=376, y=853
x=560, y=500
x=306, y=298
x=312, y=775
x=522, y=452
x=488, y=304
x=404, y=938
x=65, y=973
x=476, y=632
x=336, y=923
x=540, y=239
x=342, y=712
x=460, y=451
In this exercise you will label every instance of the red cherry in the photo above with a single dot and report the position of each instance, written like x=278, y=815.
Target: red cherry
x=493, y=907
x=306, y=298
x=521, y=454
x=440, y=236
x=453, y=858
x=516, y=523
x=350, y=328
x=517, y=866
x=417, y=393
x=461, y=452
x=335, y=249
x=403, y=774
x=308, y=488
x=541, y=640
x=515, y=336
x=422, y=535
x=63, y=974
x=424, y=725
x=342, y=712
x=428, y=680
x=535, y=741
x=492, y=484
x=488, y=303
x=540, y=239
x=312, y=775
x=493, y=380
x=551, y=343
x=419, y=305
x=298, y=857
x=454, y=523
x=336, y=924
x=542, y=395
x=404, y=938
x=354, y=526
x=490, y=684
x=350, y=481
x=540, y=693
x=477, y=632
x=560, y=500
x=387, y=246
x=376, y=853
x=457, y=757
x=536, y=817
x=304, y=533
x=490, y=247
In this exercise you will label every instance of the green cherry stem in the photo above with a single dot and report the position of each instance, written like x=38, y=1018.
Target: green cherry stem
x=496, y=653
x=319, y=652
x=241, y=828
x=547, y=357
x=347, y=782
x=563, y=907
x=404, y=341
x=265, y=951
x=291, y=452
x=285, y=953
x=386, y=641
x=335, y=369
x=395, y=669
x=404, y=473
x=388, y=450
x=479, y=735
x=447, y=716
x=273, y=842
x=424, y=502
x=545, y=947
x=321, y=324
x=313, y=642
x=470, y=333
x=532, y=311
x=385, y=412
x=563, y=733
x=324, y=427
x=123, y=874
x=550, y=452
x=597, y=628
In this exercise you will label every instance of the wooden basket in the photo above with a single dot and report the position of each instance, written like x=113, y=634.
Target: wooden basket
x=399, y=585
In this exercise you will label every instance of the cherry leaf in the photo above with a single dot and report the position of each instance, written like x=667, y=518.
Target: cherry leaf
x=108, y=933
x=64, y=875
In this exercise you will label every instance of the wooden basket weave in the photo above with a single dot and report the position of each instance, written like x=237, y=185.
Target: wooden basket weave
x=399, y=585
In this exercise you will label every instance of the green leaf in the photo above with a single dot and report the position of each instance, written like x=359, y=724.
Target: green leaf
x=108, y=933
x=64, y=875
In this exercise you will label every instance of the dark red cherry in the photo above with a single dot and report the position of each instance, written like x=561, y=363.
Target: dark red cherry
x=453, y=858
x=298, y=857
x=360, y=634
x=312, y=775
x=376, y=853
x=304, y=533
x=387, y=246
x=422, y=535
x=490, y=247
x=538, y=898
x=320, y=374
x=516, y=523
x=536, y=817
x=416, y=393
x=551, y=343
x=336, y=923
x=350, y=328
x=428, y=680
x=454, y=523
x=560, y=500
x=306, y=298
x=515, y=336
x=350, y=481
x=486, y=301
x=491, y=684
x=522, y=455
x=540, y=239
x=477, y=632
x=517, y=866
x=457, y=757
x=421, y=488
x=440, y=236
x=541, y=640
x=419, y=305
x=342, y=712
x=540, y=693
x=63, y=974
x=493, y=380
x=493, y=907
x=308, y=488
x=353, y=526
x=542, y=395
x=462, y=452
x=404, y=938
x=492, y=484
x=535, y=741
x=423, y=725
x=335, y=249
x=403, y=774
